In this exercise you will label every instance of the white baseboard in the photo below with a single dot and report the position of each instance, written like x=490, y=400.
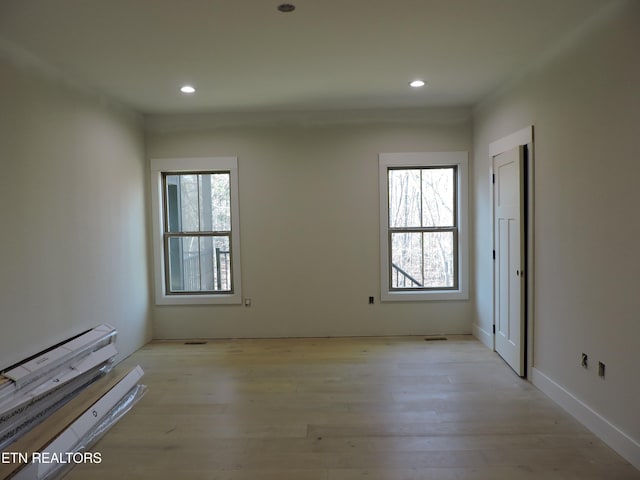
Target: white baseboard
x=483, y=335
x=610, y=434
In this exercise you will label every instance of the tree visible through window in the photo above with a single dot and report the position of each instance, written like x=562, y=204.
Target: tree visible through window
x=424, y=239
x=197, y=232
x=423, y=228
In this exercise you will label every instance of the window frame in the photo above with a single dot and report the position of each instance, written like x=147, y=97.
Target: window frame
x=425, y=160
x=179, y=166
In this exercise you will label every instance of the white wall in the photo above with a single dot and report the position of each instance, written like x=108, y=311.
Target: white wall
x=584, y=102
x=309, y=225
x=72, y=208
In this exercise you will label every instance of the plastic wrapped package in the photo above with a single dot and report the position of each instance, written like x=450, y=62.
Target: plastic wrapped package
x=49, y=364
x=98, y=431
x=71, y=445
x=38, y=386
x=34, y=410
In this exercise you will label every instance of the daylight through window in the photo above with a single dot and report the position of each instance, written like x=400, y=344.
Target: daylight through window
x=197, y=232
x=196, y=240
x=423, y=226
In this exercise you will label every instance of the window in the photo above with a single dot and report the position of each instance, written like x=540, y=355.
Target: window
x=423, y=226
x=196, y=241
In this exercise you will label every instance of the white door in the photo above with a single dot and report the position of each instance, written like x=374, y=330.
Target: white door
x=509, y=280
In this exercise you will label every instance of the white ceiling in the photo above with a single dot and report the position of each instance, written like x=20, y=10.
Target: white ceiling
x=244, y=55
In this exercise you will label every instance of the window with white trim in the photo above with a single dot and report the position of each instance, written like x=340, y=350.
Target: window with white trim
x=196, y=230
x=423, y=226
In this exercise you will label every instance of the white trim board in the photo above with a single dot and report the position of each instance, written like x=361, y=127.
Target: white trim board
x=609, y=433
x=483, y=335
x=47, y=364
x=521, y=137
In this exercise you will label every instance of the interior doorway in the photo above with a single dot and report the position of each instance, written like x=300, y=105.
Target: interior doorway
x=512, y=227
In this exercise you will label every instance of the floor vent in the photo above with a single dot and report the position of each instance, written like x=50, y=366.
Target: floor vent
x=196, y=342
x=434, y=339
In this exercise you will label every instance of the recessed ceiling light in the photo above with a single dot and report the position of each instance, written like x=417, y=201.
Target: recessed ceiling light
x=417, y=83
x=187, y=89
x=286, y=7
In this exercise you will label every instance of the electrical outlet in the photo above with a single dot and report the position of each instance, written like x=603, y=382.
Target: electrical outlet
x=584, y=360
x=371, y=300
x=601, y=367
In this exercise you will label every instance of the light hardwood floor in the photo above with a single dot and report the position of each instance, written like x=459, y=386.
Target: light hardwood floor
x=397, y=408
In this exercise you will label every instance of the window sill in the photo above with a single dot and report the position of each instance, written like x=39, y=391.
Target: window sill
x=223, y=299
x=435, y=295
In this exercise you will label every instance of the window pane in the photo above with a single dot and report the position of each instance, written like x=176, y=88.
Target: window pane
x=406, y=260
x=215, y=201
x=222, y=264
x=422, y=260
x=199, y=264
x=188, y=203
x=176, y=276
x=439, y=260
x=173, y=204
x=438, y=197
x=198, y=202
x=182, y=203
x=404, y=198
x=184, y=264
x=206, y=264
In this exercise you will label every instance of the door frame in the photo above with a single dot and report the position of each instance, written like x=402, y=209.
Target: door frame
x=514, y=140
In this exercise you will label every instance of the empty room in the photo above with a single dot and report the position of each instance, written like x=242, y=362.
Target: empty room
x=319, y=239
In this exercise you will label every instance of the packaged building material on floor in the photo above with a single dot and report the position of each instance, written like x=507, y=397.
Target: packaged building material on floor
x=55, y=445
x=48, y=364
x=34, y=389
x=19, y=413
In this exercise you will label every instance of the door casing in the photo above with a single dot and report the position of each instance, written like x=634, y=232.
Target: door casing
x=523, y=137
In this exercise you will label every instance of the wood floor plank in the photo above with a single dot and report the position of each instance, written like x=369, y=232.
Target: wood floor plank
x=394, y=408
